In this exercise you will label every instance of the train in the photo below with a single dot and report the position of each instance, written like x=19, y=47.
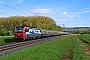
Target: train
x=31, y=33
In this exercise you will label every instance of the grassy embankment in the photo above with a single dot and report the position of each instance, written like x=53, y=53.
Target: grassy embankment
x=6, y=39
x=65, y=47
x=47, y=51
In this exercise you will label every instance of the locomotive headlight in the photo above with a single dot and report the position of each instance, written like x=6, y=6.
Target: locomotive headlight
x=15, y=37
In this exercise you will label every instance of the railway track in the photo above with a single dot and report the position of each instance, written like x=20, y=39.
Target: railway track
x=12, y=47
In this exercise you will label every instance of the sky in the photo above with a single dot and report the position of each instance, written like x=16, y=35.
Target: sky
x=66, y=13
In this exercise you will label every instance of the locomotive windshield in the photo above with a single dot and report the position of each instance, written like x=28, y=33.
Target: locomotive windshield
x=19, y=29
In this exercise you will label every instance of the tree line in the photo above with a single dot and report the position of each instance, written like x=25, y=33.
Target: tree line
x=82, y=32
x=8, y=24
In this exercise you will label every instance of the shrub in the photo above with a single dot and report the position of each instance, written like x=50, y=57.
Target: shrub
x=5, y=33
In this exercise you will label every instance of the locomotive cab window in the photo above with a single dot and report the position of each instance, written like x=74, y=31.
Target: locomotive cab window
x=27, y=30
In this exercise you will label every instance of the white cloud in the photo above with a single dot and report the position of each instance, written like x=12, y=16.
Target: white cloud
x=16, y=1
x=50, y=13
x=42, y=11
x=60, y=18
x=71, y=16
x=64, y=13
x=85, y=10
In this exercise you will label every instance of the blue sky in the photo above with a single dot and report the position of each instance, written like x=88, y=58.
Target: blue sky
x=71, y=13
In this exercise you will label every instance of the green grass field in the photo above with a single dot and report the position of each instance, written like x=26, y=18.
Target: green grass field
x=85, y=38
x=47, y=51
x=65, y=47
x=6, y=39
x=78, y=51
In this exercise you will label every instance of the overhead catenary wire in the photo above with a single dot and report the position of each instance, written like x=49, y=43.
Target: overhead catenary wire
x=31, y=5
x=20, y=6
x=7, y=10
x=16, y=9
x=12, y=8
